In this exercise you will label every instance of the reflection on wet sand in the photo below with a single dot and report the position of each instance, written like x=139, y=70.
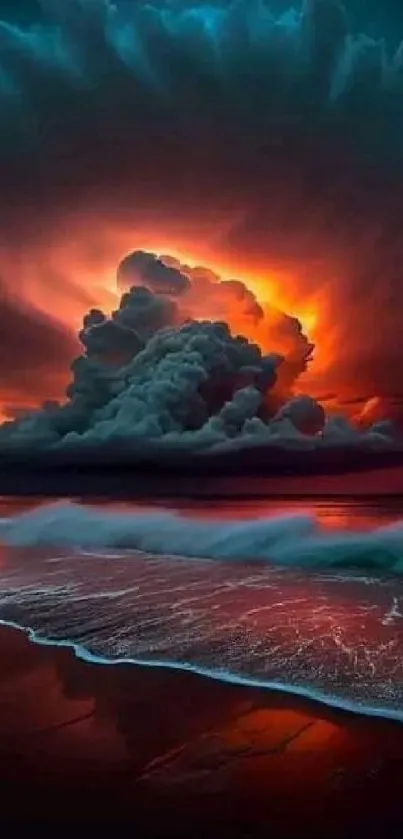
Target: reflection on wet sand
x=178, y=754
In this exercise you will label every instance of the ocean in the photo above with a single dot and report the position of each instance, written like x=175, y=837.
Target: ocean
x=302, y=596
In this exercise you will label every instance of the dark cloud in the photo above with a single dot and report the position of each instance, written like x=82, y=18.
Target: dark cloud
x=292, y=127
x=202, y=294
x=107, y=339
x=145, y=312
x=153, y=98
x=304, y=413
x=146, y=269
x=177, y=388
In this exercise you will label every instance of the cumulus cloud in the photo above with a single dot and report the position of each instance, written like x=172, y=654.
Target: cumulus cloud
x=289, y=125
x=200, y=293
x=107, y=338
x=149, y=270
x=153, y=386
x=306, y=415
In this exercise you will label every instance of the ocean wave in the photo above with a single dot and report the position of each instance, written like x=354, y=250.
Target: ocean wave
x=333, y=636
x=286, y=540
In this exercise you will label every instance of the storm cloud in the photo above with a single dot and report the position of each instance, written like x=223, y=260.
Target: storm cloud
x=151, y=383
x=285, y=129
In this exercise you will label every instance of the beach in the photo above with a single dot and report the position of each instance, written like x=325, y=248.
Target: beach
x=178, y=755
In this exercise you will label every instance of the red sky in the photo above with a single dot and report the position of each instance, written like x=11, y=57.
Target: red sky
x=228, y=156
x=74, y=268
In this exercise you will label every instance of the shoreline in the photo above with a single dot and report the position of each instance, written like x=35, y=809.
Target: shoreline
x=173, y=752
x=312, y=698
x=339, y=478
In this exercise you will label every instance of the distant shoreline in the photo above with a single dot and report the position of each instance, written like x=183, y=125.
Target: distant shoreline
x=301, y=476
x=268, y=461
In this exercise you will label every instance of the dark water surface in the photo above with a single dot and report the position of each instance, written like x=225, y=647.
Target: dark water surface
x=334, y=634
x=176, y=756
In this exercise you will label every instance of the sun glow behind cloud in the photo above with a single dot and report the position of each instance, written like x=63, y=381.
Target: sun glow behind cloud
x=214, y=165
x=75, y=269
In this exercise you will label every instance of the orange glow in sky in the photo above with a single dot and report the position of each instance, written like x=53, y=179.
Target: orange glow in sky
x=75, y=269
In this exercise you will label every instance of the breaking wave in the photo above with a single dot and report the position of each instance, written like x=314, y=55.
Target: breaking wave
x=158, y=588
x=286, y=540
x=335, y=636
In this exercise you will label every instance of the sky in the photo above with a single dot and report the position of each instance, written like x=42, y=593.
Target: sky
x=267, y=152
x=368, y=13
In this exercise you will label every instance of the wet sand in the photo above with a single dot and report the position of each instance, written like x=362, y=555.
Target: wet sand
x=177, y=755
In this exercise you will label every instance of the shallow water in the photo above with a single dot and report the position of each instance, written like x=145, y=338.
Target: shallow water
x=336, y=635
